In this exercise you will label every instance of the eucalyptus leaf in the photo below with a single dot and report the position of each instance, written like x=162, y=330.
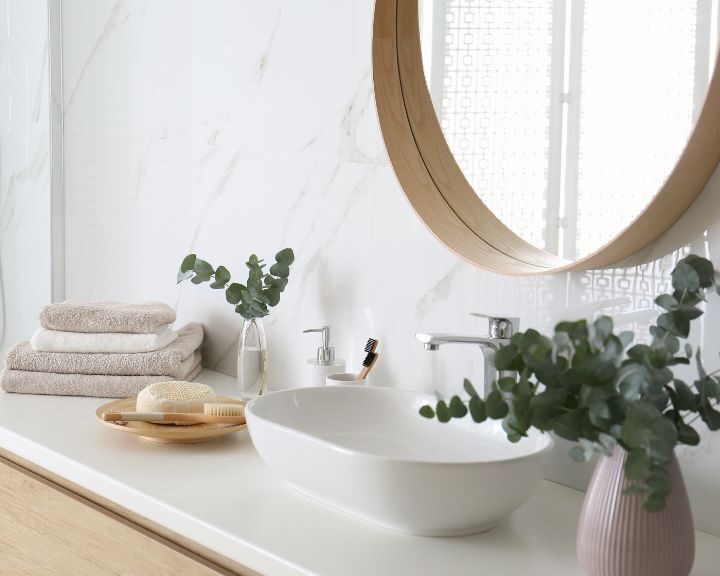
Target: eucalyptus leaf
x=427, y=411
x=607, y=443
x=687, y=399
x=203, y=268
x=477, y=409
x=631, y=380
x=546, y=407
x=699, y=365
x=709, y=388
x=710, y=416
x=222, y=275
x=626, y=338
x=442, y=411
x=576, y=331
x=507, y=358
x=495, y=406
x=457, y=407
x=667, y=302
x=637, y=465
x=659, y=481
x=181, y=276
x=233, y=294
x=687, y=434
x=469, y=388
x=285, y=256
x=272, y=295
x=654, y=503
x=603, y=328
x=685, y=278
x=280, y=270
x=577, y=453
x=704, y=269
x=506, y=384
x=262, y=297
x=636, y=489
x=569, y=425
x=188, y=263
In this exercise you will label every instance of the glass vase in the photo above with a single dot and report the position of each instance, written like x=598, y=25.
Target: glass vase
x=252, y=359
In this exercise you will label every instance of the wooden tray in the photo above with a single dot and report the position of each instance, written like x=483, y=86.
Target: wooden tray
x=167, y=433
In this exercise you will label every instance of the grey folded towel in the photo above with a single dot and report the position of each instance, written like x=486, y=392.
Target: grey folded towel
x=174, y=360
x=75, y=316
x=99, y=386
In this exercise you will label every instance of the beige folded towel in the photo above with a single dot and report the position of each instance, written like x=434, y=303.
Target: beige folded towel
x=96, y=342
x=99, y=386
x=174, y=360
x=75, y=316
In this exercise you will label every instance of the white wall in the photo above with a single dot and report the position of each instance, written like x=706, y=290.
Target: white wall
x=25, y=258
x=225, y=127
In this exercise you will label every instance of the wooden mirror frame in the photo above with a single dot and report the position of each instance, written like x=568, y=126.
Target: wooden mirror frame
x=444, y=200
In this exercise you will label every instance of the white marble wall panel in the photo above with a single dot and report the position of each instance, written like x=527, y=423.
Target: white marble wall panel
x=228, y=127
x=25, y=258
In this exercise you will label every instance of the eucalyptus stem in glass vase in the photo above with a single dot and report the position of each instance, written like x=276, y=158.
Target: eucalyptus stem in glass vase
x=252, y=301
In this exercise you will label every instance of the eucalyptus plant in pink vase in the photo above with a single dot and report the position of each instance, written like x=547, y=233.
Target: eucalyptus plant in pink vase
x=590, y=385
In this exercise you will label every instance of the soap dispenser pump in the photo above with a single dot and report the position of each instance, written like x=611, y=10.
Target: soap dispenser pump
x=324, y=362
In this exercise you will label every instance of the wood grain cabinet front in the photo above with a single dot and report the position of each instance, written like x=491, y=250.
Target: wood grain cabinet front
x=46, y=530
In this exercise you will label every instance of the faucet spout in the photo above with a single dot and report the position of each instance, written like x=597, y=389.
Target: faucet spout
x=434, y=341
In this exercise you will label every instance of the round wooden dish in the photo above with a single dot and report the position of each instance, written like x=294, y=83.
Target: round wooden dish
x=167, y=433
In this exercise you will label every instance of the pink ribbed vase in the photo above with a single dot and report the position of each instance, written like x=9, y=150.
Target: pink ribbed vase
x=616, y=537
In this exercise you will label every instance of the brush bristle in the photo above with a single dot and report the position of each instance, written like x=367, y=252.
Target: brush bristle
x=226, y=409
x=369, y=359
x=371, y=345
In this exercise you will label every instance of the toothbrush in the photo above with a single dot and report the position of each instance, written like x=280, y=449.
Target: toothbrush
x=370, y=359
x=213, y=414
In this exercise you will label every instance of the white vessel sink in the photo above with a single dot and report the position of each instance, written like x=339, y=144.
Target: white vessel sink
x=367, y=451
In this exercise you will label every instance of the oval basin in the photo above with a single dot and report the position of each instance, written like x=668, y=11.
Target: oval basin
x=367, y=451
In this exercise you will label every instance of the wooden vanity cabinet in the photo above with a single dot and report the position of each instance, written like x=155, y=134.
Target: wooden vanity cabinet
x=47, y=528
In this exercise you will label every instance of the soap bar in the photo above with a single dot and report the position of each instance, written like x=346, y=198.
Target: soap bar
x=174, y=397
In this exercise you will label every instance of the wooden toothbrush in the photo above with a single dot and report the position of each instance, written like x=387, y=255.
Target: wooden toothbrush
x=213, y=414
x=370, y=359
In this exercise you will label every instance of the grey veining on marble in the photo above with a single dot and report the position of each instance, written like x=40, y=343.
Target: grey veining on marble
x=439, y=291
x=262, y=62
x=217, y=191
x=119, y=15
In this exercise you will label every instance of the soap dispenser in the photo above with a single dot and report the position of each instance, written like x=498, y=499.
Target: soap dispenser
x=324, y=362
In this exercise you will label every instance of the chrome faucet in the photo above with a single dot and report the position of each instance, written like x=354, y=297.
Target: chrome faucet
x=500, y=330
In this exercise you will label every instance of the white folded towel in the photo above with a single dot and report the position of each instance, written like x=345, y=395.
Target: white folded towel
x=112, y=343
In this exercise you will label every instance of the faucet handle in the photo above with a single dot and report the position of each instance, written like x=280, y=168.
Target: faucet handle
x=500, y=326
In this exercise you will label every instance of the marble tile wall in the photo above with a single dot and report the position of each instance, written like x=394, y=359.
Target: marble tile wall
x=25, y=264
x=224, y=127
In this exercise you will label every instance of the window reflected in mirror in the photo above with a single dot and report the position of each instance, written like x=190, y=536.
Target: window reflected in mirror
x=565, y=116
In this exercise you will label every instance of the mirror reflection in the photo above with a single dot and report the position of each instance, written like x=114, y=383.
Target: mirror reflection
x=566, y=116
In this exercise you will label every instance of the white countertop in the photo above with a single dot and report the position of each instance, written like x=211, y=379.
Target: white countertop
x=249, y=515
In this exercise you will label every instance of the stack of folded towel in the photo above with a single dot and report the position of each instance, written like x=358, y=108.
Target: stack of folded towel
x=103, y=349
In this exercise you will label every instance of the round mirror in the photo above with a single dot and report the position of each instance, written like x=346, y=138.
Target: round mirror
x=566, y=117
x=553, y=134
